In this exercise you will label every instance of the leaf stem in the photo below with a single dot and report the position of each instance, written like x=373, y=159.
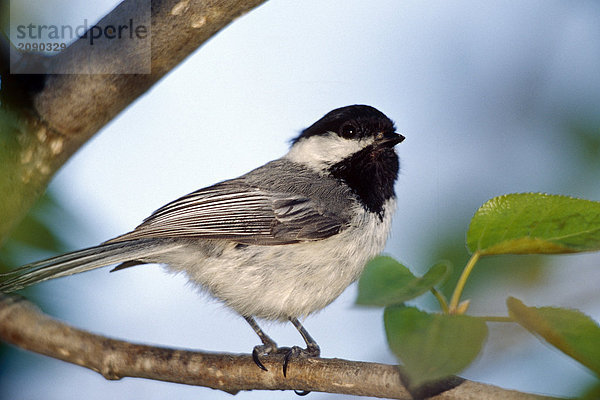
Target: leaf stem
x=460, y=285
x=441, y=299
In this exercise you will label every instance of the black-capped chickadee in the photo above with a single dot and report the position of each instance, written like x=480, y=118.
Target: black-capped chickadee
x=277, y=243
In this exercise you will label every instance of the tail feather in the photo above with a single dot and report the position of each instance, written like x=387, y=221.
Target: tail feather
x=78, y=261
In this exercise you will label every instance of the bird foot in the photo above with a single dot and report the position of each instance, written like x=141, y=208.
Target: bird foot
x=263, y=350
x=312, y=350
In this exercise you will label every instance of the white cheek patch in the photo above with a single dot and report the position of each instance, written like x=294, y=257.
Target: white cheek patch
x=322, y=151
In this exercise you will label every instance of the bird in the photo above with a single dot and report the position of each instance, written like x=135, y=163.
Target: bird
x=277, y=243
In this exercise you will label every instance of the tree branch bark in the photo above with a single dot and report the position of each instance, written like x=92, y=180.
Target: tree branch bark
x=22, y=324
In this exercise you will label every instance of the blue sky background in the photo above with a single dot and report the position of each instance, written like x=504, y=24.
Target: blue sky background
x=487, y=94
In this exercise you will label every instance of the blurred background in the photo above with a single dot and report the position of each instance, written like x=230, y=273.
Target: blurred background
x=493, y=98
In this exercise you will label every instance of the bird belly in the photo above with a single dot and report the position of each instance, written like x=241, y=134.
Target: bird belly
x=282, y=281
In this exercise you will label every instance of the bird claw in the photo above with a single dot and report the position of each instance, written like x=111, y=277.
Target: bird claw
x=312, y=350
x=264, y=349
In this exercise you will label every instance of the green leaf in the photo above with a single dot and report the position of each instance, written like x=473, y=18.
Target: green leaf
x=570, y=331
x=527, y=223
x=433, y=346
x=387, y=282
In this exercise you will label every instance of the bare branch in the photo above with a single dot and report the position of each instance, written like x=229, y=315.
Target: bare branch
x=24, y=325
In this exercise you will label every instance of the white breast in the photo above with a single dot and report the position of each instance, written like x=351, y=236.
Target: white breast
x=278, y=282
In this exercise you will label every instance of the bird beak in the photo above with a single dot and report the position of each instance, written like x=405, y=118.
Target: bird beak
x=389, y=141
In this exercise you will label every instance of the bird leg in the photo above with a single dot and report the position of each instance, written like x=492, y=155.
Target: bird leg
x=269, y=346
x=312, y=348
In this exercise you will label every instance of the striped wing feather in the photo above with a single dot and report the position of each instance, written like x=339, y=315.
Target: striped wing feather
x=242, y=213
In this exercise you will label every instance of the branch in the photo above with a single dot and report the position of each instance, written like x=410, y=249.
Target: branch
x=55, y=114
x=24, y=325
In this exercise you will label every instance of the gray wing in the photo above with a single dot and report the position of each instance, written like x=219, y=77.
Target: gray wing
x=243, y=213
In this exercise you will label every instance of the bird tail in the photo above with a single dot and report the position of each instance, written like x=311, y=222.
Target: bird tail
x=80, y=261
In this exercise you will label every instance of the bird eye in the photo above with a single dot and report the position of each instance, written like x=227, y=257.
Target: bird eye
x=347, y=131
